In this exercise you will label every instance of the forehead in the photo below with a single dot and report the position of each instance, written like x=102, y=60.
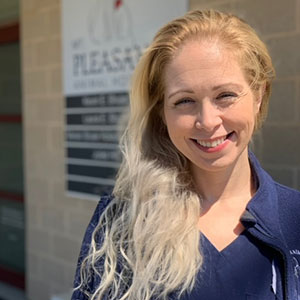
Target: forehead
x=203, y=63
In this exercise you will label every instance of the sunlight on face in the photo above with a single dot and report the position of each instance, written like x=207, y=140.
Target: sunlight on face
x=209, y=108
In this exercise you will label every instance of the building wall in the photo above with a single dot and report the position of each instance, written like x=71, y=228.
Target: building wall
x=55, y=222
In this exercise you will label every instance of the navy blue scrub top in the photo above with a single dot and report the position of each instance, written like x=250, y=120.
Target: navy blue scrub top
x=241, y=271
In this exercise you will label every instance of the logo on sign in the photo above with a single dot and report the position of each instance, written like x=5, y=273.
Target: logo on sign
x=110, y=21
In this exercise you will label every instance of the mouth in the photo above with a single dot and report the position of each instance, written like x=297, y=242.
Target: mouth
x=213, y=143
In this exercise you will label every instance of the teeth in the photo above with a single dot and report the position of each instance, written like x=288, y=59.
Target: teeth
x=211, y=144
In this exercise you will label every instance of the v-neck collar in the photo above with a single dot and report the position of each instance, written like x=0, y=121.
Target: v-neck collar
x=229, y=248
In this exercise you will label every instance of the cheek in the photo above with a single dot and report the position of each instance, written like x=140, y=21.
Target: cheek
x=179, y=125
x=242, y=121
x=243, y=113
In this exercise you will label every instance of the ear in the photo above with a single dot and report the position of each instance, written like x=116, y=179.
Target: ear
x=260, y=95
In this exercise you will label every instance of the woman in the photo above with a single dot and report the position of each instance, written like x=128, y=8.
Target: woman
x=193, y=215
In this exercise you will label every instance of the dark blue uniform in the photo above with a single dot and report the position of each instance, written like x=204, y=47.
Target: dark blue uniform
x=243, y=270
x=262, y=263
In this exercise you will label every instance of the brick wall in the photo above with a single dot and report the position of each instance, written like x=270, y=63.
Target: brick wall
x=55, y=223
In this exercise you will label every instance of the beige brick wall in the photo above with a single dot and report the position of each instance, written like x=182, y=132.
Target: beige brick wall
x=55, y=223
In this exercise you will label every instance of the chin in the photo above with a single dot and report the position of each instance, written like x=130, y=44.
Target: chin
x=220, y=163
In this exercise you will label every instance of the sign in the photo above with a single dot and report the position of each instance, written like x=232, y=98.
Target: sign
x=102, y=43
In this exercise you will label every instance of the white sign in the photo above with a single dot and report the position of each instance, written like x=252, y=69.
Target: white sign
x=103, y=40
x=102, y=43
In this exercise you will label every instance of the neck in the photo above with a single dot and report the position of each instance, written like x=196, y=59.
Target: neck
x=227, y=185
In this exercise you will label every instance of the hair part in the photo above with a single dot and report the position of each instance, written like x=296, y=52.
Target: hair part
x=151, y=225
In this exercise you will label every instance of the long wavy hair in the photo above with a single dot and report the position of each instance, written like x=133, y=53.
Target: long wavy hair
x=149, y=245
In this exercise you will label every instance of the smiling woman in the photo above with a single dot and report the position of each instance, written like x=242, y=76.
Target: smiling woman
x=193, y=215
x=209, y=106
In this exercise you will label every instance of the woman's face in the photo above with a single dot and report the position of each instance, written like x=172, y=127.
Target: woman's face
x=209, y=108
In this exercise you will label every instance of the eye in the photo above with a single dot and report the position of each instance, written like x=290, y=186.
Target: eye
x=227, y=96
x=184, y=101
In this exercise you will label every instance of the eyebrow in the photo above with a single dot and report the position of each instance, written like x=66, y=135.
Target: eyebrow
x=180, y=91
x=229, y=84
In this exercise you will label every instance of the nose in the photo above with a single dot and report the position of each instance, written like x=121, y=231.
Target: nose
x=208, y=116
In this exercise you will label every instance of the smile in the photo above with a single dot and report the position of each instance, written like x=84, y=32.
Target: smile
x=213, y=143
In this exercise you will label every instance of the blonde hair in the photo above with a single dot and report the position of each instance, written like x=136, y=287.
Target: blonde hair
x=149, y=238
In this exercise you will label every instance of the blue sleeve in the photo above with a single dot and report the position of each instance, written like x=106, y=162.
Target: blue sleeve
x=79, y=293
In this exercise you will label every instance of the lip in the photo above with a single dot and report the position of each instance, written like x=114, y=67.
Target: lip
x=215, y=149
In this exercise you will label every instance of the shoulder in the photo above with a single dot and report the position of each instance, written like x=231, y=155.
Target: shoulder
x=80, y=293
x=288, y=196
x=289, y=213
x=288, y=204
x=102, y=205
x=100, y=208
